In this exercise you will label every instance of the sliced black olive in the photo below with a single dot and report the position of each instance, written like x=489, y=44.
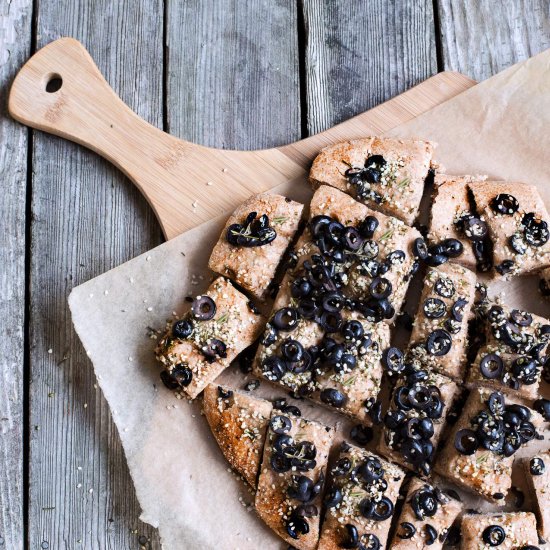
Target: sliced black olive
x=280, y=463
x=504, y=204
x=420, y=248
x=537, y=466
x=394, y=419
x=521, y=318
x=530, y=547
x=496, y=403
x=382, y=510
x=351, y=537
x=333, y=497
x=434, y=260
x=523, y=412
x=333, y=301
x=224, y=394
x=380, y=288
x=445, y=288
x=286, y=319
x=466, y=442
x=368, y=226
x=342, y=467
x=318, y=223
x=535, y=230
x=412, y=451
x=283, y=443
x=424, y=503
x=375, y=412
x=431, y=534
x=452, y=326
x=204, y=308
x=292, y=350
x=330, y=321
x=395, y=257
x=439, y=343
x=375, y=161
x=297, y=526
x=301, y=488
x=333, y=397
x=494, y=535
x=434, y=308
x=361, y=434
x=182, y=329
x=542, y=406
x=169, y=381
x=475, y=229
x=491, y=366
x=182, y=374
x=525, y=370
x=301, y=288
x=407, y=530
x=269, y=336
x=352, y=238
x=371, y=542
x=517, y=244
x=353, y=330
x=392, y=359
x=452, y=248
x=214, y=349
x=280, y=424
x=505, y=267
x=457, y=309
x=371, y=470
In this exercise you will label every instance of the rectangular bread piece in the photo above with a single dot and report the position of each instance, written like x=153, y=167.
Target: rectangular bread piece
x=360, y=481
x=196, y=349
x=536, y=471
x=445, y=305
x=451, y=205
x=384, y=173
x=516, y=530
x=485, y=472
x=511, y=359
x=429, y=526
x=294, y=447
x=518, y=225
x=238, y=422
x=250, y=265
x=404, y=415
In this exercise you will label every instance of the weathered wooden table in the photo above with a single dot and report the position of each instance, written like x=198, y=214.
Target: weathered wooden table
x=225, y=73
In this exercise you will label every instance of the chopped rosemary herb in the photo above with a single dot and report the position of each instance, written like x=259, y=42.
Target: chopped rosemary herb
x=279, y=220
x=404, y=183
x=387, y=235
x=223, y=318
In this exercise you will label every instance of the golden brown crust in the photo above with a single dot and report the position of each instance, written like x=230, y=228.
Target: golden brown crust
x=408, y=162
x=253, y=268
x=238, y=423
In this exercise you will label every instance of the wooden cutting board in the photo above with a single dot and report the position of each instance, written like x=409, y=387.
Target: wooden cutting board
x=60, y=90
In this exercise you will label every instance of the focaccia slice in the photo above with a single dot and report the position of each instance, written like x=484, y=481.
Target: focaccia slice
x=360, y=500
x=440, y=331
x=238, y=422
x=254, y=240
x=426, y=517
x=197, y=348
x=384, y=173
x=292, y=478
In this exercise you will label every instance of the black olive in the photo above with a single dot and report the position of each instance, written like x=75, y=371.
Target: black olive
x=283, y=443
x=434, y=308
x=169, y=381
x=204, y=308
x=452, y=326
x=392, y=359
x=301, y=288
x=445, y=288
x=301, y=488
x=380, y=287
x=439, y=343
x=351, y=537
x=394, y=419
x=182, y=374
x=395, y=257
x=333, y=497
x=224, y=394
x=494, y=535
x=537, y=466
x=280, y=463
x=475, y=229
x=375, y=412
x=530, y=547
x=214, y=349
x=424, y=503
x=434, y=260
x=466, y=442
x=505, y=267
x=452, y=248
x=330, y=322
x=333, y=397
x=286, y=319
x=342, y=467
x=542, y=406
x=297, y=526
x=407, y=530
x=280, y=424
x=371, y=470
x=431, y=534
x=274, y=368
x=496, y=403
x=368, y=226
x=371, y=542
x=521, y=318
x=504, y=204
x=292, y=350
x=457, y=309
x=353, y=330
x=361, y=434
x=352, y=239
x=379, y=510
x=420, y=248
x=269, y=336
x=182, y=329
x=491, y=366
x=535, y=230
x=517, y=244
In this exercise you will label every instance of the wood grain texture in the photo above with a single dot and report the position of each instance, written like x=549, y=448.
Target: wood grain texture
x=233, y=79
x=482, y=37
x=15, y=41
x=359, y=54
x=86, y=219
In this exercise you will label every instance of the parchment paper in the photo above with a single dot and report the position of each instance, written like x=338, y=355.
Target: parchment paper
x=500, y=127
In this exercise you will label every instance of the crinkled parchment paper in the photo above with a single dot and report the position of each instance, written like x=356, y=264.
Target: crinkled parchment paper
x=500, y=127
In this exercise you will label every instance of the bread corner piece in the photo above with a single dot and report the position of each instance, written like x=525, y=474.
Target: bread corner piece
x=295, y=449
x=426, y=517
x=385, y=174
x=248, y=263
x=515, y=530
x=361, y=499
x=466, y=459
x=518, y=225
x=238, y=422
x=197, y=348
x=450, y=205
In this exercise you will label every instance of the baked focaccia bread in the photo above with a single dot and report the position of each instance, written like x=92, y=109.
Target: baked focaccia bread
x=360, y=500
x=198, y=347
x=417, y=413
x=512, y=358
x=426, y=517
x=440, y=331
x=292, y=478
x=238, y=422
x=505, y=531
x=480, y=449
x=385, y=174
x=517, y=221
x=454, y=217
x=254, y=240
x=536, y=472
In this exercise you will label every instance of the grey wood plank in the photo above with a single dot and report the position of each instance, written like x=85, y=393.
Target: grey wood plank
x=233, y=78
x=481, y=38
x=15, y=43
x=86, y=218
x=359, y=54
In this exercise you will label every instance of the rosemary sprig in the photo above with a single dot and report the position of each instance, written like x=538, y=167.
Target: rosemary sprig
x=387, y=235
x=223, y=318
x=349, y=381
x=279, y=220
x=404, y=183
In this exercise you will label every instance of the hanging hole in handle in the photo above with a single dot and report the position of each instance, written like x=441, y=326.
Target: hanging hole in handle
x=54, y=83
